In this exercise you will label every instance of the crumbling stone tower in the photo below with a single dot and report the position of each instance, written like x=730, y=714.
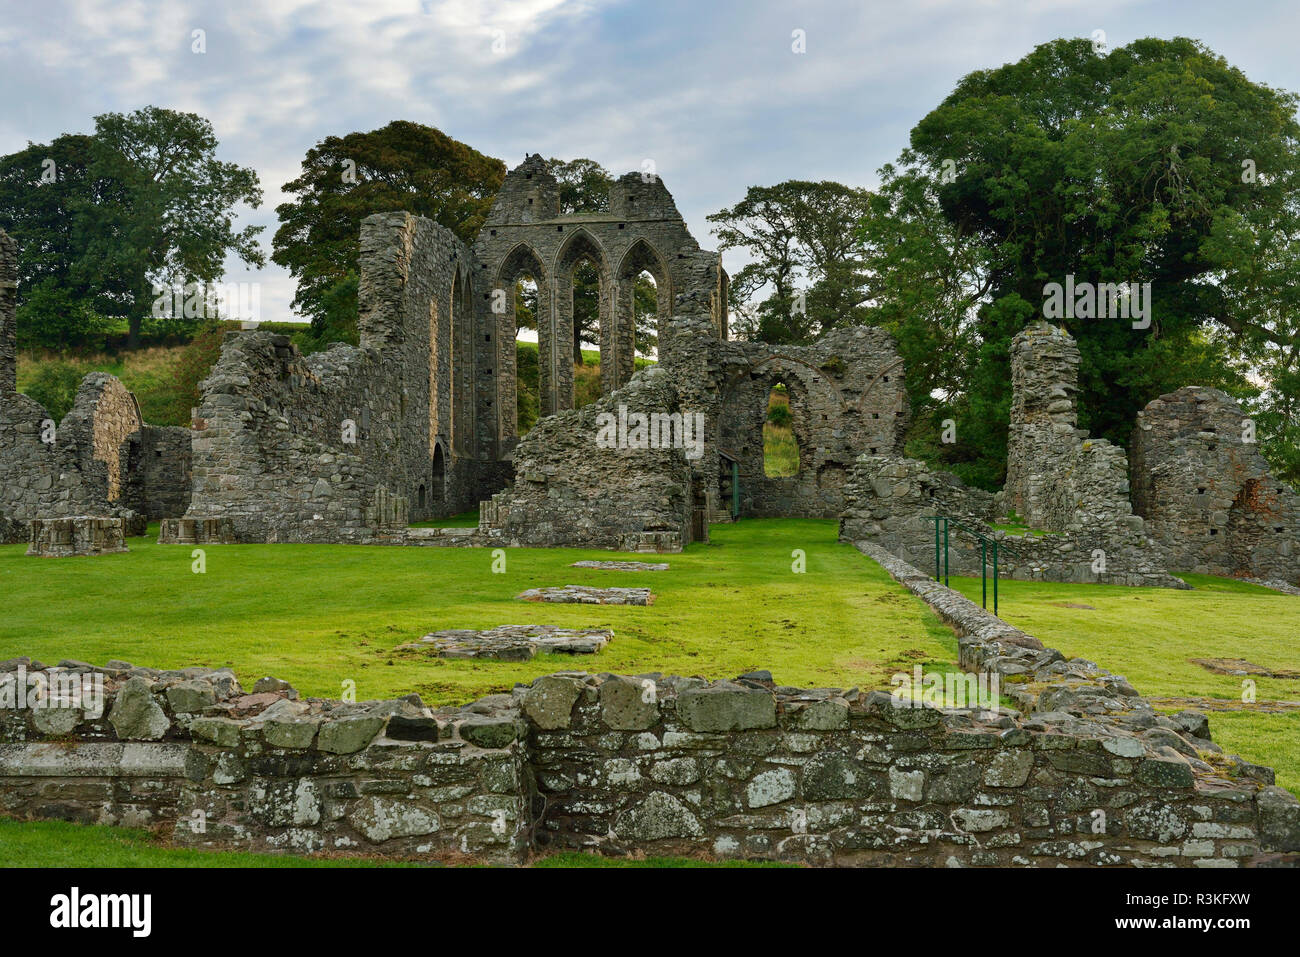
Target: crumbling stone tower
x=1206, y=492
x=1057, y=477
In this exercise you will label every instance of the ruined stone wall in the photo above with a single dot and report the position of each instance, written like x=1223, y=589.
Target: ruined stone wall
x=267, y=771
x=526, y=235
x=891, y=502
x=103, y=416
x=349, y=444
x=570, y=490
x=1206, y=491
x=644, y=764
x=80, y=470
x=847, y=398
x=79, y=467
x=268, y=449
x=158, y=473
x=1058, y=478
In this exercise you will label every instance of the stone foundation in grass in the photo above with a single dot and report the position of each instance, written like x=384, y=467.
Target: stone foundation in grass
x=587, y=595
x=511, y=642
x=623, y=566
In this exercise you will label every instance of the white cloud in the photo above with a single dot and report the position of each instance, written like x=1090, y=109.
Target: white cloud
x=711, y=92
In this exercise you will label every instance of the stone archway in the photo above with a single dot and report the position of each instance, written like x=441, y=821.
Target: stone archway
x=816, y=411
x=618, y=346
x=555, y=356
x=522, y=262
x=437, y=476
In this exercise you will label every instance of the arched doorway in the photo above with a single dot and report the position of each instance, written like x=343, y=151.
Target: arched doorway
x=580, y=259
x=521, y=307
x=437, y=477
x=644, y=295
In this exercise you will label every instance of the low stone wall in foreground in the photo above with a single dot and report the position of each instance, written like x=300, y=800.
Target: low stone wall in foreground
x=653, y=764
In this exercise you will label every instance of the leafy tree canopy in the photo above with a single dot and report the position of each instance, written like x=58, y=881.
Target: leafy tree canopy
x=402, y=166
x=100, y=219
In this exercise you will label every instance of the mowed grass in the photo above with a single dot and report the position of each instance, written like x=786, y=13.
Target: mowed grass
x=320, y=616
x=1150, y=635
x=64, y=844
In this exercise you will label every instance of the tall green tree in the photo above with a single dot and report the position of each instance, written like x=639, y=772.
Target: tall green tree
x=177, y=224
x=100, y=219
x=926, y=278
x=805, y=274
x=401, y=166
x=1118, y=168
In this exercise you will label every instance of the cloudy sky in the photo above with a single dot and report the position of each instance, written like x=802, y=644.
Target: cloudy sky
x=711, y=92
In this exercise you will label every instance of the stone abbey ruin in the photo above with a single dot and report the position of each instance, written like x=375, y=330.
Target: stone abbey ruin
x=355, y=444
x=418, y=422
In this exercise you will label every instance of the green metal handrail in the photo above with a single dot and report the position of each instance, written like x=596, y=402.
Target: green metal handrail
x=945, y=522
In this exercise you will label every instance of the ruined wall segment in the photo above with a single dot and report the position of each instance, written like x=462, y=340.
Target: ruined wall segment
x=652, y=764
x=847, y=398
x=83, y=466
x=642, y=229
x=352, y=443
x=158, y=471
x=1058, y=478
x=891, y=502
x=570, y=490
x=1206, y=491
x=1071, y=490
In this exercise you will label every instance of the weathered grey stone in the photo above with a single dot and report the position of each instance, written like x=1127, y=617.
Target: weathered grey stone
x=489, y=731
x=285, y=803
x=628, y=704
x=1009, y=769
x=829, y=715
x=292, y=733
x=135, y=715
x=56, y=721
x=191, y=696
x=348, y=735
x=1279, y=819
x=222, y=731
x=906, y=785
x=658, y=817
x=770, y=787
x=381, y=819
x=549, y=701
x=588, y=595
x=513, y=642
x=1165, y=773
x=725, y=706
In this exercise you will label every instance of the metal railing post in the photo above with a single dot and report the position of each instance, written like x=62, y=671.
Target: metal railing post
x=945, y=553
x=984, y=574
x=995, y=576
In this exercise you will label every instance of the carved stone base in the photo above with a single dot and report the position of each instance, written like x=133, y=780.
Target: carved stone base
x=80, y=535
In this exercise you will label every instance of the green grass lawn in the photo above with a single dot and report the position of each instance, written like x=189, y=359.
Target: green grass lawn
x=63, y=844
x=1150, y=635
x=321, y=615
